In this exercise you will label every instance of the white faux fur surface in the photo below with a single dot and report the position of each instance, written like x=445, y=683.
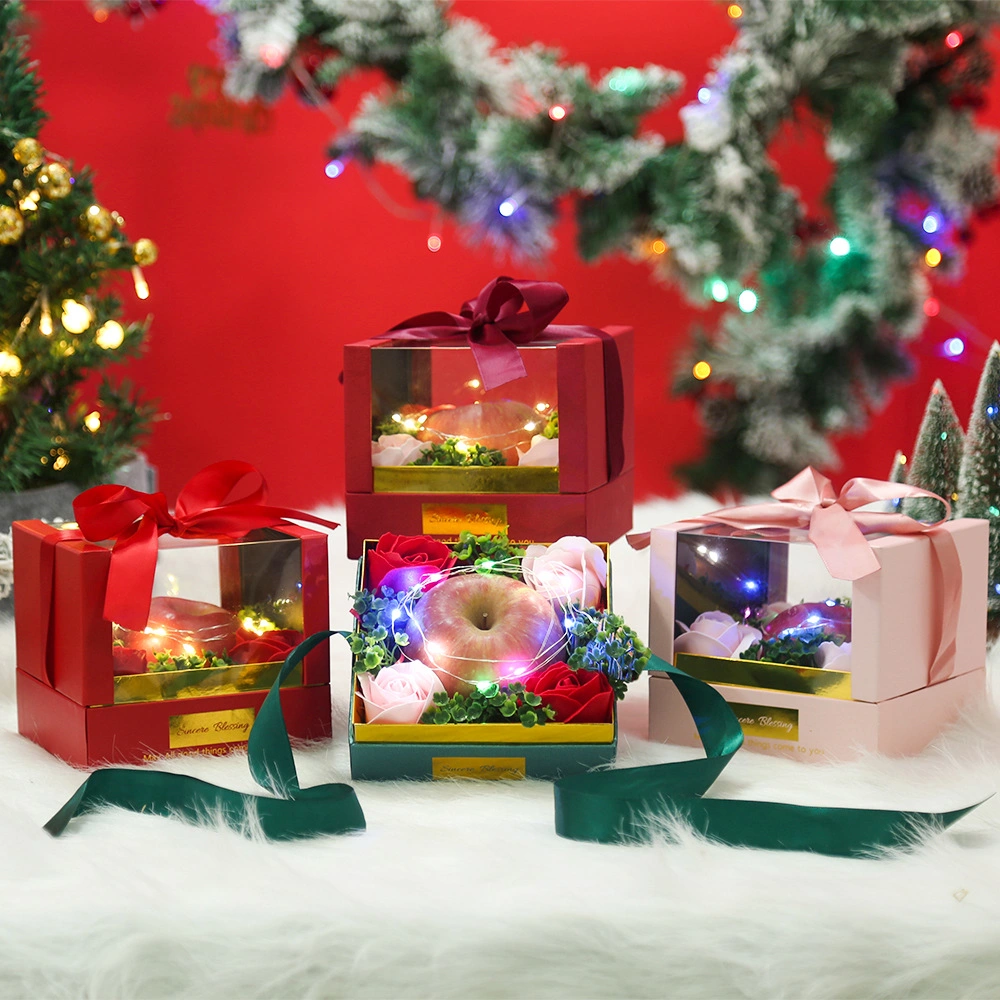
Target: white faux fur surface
x=462, y=889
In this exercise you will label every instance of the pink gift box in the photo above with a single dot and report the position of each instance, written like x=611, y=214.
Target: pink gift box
x=884, y=702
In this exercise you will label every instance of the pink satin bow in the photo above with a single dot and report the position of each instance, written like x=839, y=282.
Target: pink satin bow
x=136, y=520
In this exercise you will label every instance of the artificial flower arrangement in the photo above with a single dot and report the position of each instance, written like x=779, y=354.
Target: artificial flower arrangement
x=807, y=634
x=485, y=433
x=480, y=641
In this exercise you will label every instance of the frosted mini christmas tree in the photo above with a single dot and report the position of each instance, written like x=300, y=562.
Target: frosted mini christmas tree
x=979, y=477
x=937, y=456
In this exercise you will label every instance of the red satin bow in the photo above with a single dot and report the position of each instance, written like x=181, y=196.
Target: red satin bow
x=507, y=312
x=136, y=520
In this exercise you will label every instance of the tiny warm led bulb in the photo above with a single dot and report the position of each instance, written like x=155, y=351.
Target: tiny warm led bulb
x=76, y=317
x=92, y=421
x=141, y=288
x=110, y=335
x=10, y=364
x=701, y=370
x=932, y=257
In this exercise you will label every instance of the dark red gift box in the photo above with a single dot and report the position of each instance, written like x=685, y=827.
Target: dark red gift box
x=69, y=699
x=591, y=491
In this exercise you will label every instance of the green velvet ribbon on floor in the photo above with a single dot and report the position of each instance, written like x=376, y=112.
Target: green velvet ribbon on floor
x=293, y=813
x=624, y=805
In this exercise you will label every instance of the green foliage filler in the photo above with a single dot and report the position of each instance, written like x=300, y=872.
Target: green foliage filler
x=167, y=662
x=495, y=703
x=455, y=452
x=488, y=553
x=600, y=640
x=382, y=636
x=56, y=245
x=551, y=428
x=791, y=650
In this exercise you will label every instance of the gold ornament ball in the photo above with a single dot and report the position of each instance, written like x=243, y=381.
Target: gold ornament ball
x=54, y=181
x=11, y=225
x=98, y=222
x=28, y=152
x=145, y=252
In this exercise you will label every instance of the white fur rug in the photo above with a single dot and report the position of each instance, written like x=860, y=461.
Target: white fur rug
x=463, y=890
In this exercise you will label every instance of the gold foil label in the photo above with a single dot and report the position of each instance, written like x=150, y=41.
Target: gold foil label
x=200, y=729
x=454, y=518
x=764, y=720
x=764, y=674
x=488, y=768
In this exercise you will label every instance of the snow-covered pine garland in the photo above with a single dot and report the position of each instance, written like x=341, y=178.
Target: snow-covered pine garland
x=477, y=130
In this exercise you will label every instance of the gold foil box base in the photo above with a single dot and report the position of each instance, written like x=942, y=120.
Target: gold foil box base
x=451, y=479
x=201, y=682
x=768, y=676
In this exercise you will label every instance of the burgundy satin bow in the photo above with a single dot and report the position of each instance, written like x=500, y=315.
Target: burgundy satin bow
x=507, y=312
x=136, y=520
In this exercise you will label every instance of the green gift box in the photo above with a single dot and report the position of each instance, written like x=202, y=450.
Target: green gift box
x=475, y=750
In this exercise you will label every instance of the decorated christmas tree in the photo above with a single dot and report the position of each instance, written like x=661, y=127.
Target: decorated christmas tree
x=57, y=244
x=937, y=456
x=979, y=477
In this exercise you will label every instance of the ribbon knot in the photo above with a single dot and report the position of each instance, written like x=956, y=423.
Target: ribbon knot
x=206, y=508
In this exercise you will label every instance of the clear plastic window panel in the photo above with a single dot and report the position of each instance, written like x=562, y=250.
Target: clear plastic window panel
x=754, y=599
x=430, y=410
x=223, y=617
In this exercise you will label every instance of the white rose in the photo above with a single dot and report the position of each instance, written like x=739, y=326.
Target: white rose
x=571, y=570
x=715, y=633
x=543, y=451
x=399, y=694
x=397, y=449
x=830, y=656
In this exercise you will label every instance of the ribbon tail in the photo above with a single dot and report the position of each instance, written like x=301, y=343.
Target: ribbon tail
x=639, y=804
x=841, y=544
x=499, y=361
x=305, y=812
x=130, y=576
x=949, y=566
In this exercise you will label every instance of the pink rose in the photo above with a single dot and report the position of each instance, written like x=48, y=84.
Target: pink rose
x=571, y=570
x=715, y=633
x=399, y=694
x=397, y=449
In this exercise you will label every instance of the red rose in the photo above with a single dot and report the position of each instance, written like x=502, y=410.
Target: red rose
x=393, y=551
x=128, y=661
x=266, y=648
x=576, y=695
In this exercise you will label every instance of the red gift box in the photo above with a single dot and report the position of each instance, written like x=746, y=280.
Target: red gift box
x=586, y=374
x=70, y=699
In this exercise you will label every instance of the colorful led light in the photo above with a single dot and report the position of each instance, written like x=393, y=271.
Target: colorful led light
x=931, y=307
x=701, y=370
x=735, y=11
x=704, y=95
x=507, y=207
x=954, y=347
x=953, y=39
x=433, y=242
x=719, y=290
x=933, y=257
x=334, y=168
x=747, y=300
x=931, y=223
x=557, y=112
x=658, y=247
x=840, y=246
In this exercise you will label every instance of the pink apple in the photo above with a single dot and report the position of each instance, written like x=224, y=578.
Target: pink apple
x=181, y=627
x=473, y=629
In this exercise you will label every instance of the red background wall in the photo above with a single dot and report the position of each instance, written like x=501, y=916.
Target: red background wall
x=267, y=267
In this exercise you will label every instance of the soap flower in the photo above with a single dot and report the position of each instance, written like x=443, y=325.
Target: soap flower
x=399, y=694
x=572, y=570
x=543, y=452
x=397, y=449
x=714, y=633
x=830, y=656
